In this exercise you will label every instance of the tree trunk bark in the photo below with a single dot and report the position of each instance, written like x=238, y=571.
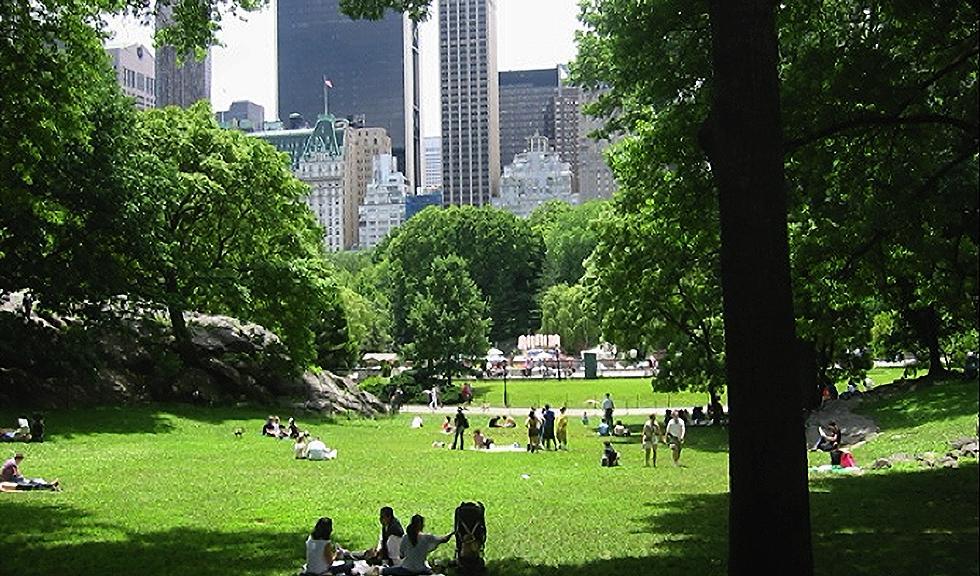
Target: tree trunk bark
x=743, y=139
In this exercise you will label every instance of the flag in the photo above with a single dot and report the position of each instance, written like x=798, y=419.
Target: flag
x=327, y=83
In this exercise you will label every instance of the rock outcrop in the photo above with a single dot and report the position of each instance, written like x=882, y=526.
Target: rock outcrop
x=48, y=361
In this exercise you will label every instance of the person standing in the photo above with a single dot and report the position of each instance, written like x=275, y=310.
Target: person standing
x=461, y=424
x=607, y=410
x=676, y=430
x=561, y=429
x=650, y=438
x=396, y=400
x=435, y=397
x=532, y=425
x=548, y=430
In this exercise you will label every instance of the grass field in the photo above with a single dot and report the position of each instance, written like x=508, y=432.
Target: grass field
x=626, y=392
x=160, y=490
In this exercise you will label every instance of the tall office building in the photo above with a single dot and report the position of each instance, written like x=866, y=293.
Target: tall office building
x=136, y=73
x=470, y=121
x=433, y=163
x=179, y=84
x=595, y=178
x=527, y=108
x=567, y=123
x=372, y=66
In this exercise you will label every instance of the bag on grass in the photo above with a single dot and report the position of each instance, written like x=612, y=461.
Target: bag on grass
x=471, y=536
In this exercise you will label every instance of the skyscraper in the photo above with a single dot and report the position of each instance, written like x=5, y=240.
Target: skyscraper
x=470, y=121
x=369, y=68
x=527, y=108
x=179, y=84
x=433, y=163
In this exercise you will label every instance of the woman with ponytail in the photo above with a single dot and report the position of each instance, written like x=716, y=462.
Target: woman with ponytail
x=415, y=548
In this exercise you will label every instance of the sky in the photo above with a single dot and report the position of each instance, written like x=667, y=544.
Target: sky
x=530, y=34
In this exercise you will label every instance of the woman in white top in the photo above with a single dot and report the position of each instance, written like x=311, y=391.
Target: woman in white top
x=415, y=548
x=321, y=552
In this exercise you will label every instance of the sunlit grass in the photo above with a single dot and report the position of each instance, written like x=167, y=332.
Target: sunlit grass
x=159, y=490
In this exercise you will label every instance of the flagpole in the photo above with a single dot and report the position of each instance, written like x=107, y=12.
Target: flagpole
x=326, y=108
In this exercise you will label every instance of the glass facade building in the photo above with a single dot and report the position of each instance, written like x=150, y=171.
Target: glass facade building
x=372, y=66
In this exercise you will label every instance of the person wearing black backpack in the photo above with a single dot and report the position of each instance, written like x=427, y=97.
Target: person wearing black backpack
x=461, y=424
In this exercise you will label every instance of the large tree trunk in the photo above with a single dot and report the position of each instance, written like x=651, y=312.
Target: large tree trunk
x=743, y=139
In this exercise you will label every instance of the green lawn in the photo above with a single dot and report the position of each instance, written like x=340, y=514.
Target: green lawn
x=156, y=490
x=626, y=392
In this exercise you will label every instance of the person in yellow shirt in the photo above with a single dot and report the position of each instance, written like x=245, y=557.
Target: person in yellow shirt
x=561, y=429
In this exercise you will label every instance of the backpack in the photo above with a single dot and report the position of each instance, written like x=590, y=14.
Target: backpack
x=471, y=536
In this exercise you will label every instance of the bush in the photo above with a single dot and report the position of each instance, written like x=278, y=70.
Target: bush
x=379, y=386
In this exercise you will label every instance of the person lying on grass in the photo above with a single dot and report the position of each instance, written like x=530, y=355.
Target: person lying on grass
x=321, y=553
x=10, y=474
x=415, y=548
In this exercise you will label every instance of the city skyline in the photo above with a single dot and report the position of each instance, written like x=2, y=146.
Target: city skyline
x=244, y=68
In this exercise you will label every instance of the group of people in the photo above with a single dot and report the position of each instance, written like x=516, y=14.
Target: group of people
x=305, y=446
x=546, y=431
x=399, y=552
x=830, y=440
x=274, y=429
x=11, y=478
x=27, y=430
x=672, y=433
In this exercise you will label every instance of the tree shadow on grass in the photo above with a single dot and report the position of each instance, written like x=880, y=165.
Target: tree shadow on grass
x=47, y=541
x=155, y=419
x=900, y=523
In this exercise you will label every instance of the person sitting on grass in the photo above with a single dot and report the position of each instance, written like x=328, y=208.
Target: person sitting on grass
x=610, y=457
x=620, y=430
x=829, y=438
x=20, y=434
x=292, y=430
x=321, y=553
x=10, y=474
x=415, y=548
x=301, y=445
x=317, y=450
x=388, y=549
x=270, y=428
x=481, y=442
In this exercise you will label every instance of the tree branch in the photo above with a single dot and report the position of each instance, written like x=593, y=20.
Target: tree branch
x=880, y=120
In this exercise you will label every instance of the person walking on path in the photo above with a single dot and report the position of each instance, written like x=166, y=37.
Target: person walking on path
x=561, y=429
x=650, y=438
x=434, y=397
x=548, y=433
x=676, y=431
x=461, y=424
x=607, y=410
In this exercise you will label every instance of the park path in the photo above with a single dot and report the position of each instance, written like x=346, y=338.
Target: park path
x=521, y=410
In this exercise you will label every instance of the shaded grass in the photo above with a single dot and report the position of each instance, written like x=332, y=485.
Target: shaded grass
x=156, y=490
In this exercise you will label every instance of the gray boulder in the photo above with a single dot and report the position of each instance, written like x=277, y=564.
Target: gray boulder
x=328, y=392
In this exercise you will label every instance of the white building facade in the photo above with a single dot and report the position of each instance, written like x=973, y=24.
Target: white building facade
x=383, y=208
x=136, y=73
x=535, y=177
x=324, y=173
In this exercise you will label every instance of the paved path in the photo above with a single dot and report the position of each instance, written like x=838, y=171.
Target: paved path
x=515, y=410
